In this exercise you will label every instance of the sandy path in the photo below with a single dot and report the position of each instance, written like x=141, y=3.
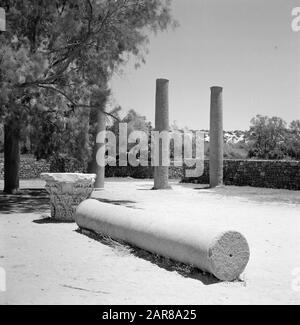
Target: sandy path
x=50, y=263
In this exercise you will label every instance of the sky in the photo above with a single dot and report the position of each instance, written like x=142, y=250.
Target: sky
x=247, y=47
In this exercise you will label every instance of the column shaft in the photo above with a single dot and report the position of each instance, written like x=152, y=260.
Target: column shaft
x=100, y=170
x=216, y=144
x=161, y=173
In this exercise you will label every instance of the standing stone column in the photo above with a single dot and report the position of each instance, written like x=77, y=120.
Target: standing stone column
x=2, y=20
x=100, y=149
x=216, y=143
x=161, y=173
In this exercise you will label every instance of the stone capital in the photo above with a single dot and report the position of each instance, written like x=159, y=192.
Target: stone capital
x=67, y=191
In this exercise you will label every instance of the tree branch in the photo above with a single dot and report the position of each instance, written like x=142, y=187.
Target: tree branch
x=74, y=104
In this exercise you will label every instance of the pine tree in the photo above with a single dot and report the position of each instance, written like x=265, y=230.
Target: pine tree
x=56, y=54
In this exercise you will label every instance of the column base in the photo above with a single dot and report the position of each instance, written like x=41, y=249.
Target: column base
x=162, y=189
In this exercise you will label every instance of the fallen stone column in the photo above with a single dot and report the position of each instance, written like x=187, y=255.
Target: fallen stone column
x=66, y=192
x=225, y=254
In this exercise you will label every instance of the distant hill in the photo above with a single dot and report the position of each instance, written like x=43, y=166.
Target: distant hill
x=233, y=137
x=236, y=146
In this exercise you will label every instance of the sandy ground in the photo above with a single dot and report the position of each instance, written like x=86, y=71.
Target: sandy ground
x=52, y=263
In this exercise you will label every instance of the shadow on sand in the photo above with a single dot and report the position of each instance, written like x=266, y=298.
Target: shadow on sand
x=48, y=220
x=246, y=193
x=126, y=203
x=25, y=201
x=160, y=261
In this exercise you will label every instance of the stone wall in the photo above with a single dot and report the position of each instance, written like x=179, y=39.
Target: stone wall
x=141, y=172
x=29, y=168
x=257, y=173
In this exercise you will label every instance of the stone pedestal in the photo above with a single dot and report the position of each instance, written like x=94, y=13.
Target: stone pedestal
x=67, y=191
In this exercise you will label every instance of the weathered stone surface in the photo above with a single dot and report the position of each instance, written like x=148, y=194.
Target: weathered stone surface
x=278, y=174
x=100, y=150
x=222, y=253
x=67, y=191
x=216, y=142
x=161, y=173
x=2, y=20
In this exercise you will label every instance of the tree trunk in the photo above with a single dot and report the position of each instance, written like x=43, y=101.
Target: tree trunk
x=99, y=99
x=91, y=169
x=93, y=166
x=11, y=159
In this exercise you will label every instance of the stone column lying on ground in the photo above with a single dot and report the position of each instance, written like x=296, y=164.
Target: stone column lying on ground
x=161, y=173
x=67, y=191
x=225, y=254
x=216, y=142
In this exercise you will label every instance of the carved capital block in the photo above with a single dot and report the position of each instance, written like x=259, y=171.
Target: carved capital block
x=67, y=191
